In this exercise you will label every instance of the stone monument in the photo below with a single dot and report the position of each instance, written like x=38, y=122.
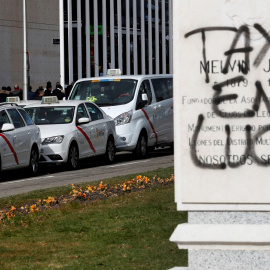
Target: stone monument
x=222, y=132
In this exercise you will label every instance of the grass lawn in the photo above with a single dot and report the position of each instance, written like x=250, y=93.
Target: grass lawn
x=127, y=232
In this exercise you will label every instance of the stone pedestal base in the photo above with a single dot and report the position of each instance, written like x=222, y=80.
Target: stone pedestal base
x=225, y=240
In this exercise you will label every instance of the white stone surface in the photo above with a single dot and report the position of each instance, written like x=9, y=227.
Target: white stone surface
x=200, y=183
x=222, y=236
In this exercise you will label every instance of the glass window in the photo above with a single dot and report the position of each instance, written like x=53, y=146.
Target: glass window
x=144, y=89
x=3, y=118
x=163, y=88
x=94, y=112
x=26, y=117
x=81, y=112
x=51, y=115
x=105, y=92
x=16, y=118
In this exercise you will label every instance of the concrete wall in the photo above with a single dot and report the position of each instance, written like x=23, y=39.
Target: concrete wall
x=42, y=28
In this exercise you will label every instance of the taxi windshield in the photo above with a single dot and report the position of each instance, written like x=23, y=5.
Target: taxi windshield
x=105, y=92
x=51, y=115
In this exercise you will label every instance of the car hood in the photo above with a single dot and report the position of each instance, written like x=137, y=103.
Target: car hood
x=54, y=130
x=114, y=111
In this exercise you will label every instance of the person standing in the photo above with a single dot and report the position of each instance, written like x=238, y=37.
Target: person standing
x=48, y=90
x=31, y=94
x=39, y=94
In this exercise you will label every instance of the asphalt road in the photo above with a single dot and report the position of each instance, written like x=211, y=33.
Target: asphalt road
x=92, y=169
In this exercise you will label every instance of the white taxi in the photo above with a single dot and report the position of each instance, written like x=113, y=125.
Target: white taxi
x=20, y=140
x=72, y=130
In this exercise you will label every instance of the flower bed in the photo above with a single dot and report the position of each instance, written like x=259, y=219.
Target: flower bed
x=88, y=194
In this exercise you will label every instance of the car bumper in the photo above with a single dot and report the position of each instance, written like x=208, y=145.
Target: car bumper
x=53, y=153
x=126, y=138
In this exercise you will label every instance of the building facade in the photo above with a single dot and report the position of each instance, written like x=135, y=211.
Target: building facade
x=42, y=31
x=132, y=35
x=72, y=39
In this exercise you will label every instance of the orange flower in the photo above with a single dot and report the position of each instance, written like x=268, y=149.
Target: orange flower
x=33, y=208
x=100, y=185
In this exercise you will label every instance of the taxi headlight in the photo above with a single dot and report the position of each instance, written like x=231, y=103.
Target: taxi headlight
x=54, y=139
x=123, y=118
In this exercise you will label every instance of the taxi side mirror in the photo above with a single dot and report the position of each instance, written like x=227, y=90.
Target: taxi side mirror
x=7, y=127
x=83, y=120
x=144, y=97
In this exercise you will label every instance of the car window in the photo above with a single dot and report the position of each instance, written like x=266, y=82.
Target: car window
x=26, y=117
x=81, y=112
x=16, y=118
x=3, y=118
x=163, y=88
x=105, y=92
x=144, y=89
x=51, y=115
x=94, y=112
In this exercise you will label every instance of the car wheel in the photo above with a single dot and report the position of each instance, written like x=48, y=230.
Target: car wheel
x=34, y=159
x=141, y=148
x=110, y=151
x=172, y=148
x=73, y=157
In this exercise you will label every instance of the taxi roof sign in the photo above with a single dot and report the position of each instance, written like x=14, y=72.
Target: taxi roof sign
x=49, y=100
x=13, y=99
x=114, y=72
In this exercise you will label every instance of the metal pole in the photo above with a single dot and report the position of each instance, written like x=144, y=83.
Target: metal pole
x=142, y=38
x=120, y=42
x=70, y=41
x=157, y=36
x=24, y=53
x=104, y=37
x=96, y=49
x=87, y=34
x=62, y=43
x=170, y=38
x=150, y=51
x=79, y=39
x=112, y=34
x=128, y=37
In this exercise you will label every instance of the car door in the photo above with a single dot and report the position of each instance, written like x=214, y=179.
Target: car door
x=7, y=144
x=163, y=108
x=146, y=111
x=84, y=133
x=21, y=138
x=98, y=126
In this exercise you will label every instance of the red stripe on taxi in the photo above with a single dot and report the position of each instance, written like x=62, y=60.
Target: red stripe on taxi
x=151, y=125
x=11, y=148
x=87, y=138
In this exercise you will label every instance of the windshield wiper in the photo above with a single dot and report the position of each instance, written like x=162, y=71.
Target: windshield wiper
x=104, y=104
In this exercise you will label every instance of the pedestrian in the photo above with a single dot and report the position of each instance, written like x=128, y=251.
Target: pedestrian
x=58, y=92
x=31, y=94
x=68, y=89
x=48, y=90
x=39, y=94
x=4, y=94
x=17, y=91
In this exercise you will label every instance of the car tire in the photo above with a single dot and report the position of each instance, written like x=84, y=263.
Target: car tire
x=73, y=157
x=141, y=148
x=172, y=148
x=110, y=151
x=33, y=162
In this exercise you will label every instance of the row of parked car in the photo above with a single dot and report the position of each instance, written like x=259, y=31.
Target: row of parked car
x=101, y=116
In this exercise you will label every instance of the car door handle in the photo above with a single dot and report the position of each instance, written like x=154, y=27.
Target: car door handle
x=15, y=137
x=29, y=133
